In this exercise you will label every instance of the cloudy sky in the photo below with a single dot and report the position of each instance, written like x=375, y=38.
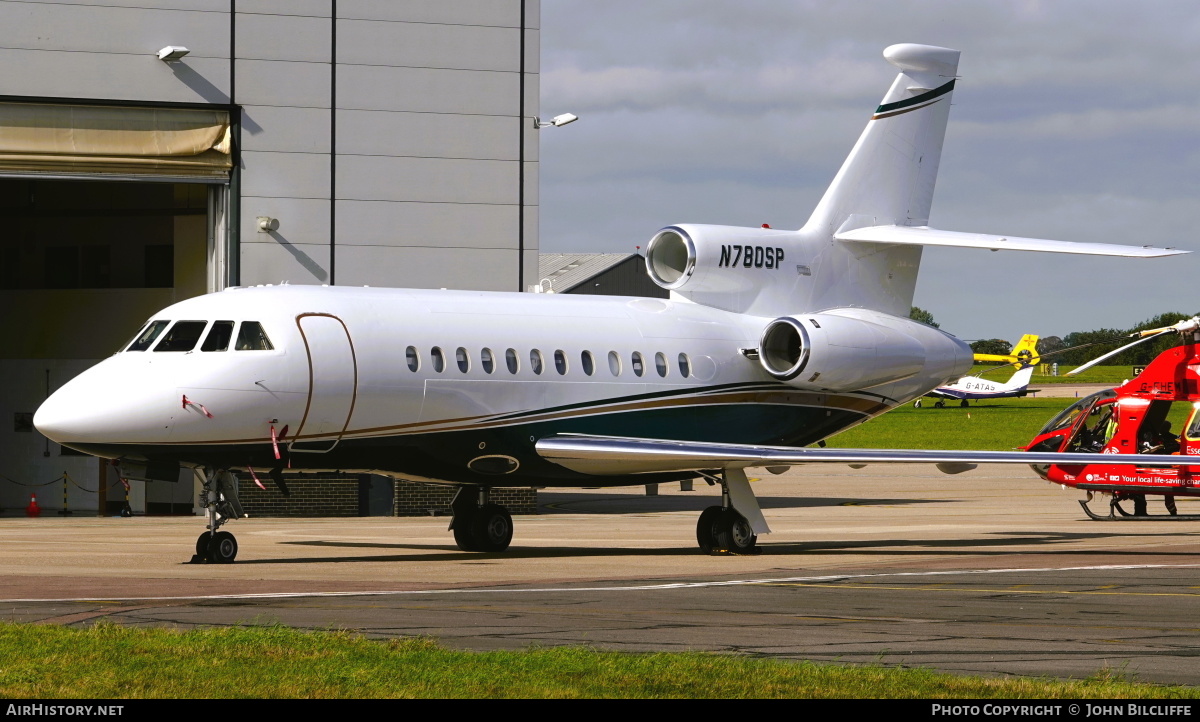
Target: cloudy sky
x=1073, y=120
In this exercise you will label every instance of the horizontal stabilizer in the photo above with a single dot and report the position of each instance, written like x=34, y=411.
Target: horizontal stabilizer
x=926, y=236
x=615, y=455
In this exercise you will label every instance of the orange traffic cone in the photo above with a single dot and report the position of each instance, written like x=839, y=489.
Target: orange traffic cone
x=33, y=509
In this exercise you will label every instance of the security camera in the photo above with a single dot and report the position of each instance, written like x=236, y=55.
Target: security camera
x=172, y=53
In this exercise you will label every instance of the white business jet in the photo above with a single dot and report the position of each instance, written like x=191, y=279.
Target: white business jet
x=771, y=341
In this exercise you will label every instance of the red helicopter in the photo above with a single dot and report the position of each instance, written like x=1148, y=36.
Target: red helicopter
x=1134, y=418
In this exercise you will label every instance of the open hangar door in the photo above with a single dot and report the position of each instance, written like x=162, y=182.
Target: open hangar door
x=107, y=214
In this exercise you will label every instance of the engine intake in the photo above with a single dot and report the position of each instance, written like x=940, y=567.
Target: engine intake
x=670, y=258
x=694, y=258
x=784, y=348
x=836, y=352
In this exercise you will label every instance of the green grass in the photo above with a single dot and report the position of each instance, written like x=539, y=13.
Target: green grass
x=111, y=662
x=999, y=425
x=1111, y=375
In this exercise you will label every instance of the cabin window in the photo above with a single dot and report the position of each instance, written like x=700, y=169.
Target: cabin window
x=146, y=337
x=560, y=362
x=487, y=360
x=413, y=358
x=660, y=364
x=439, y=361
x=685, y=365
x=639, y=364
x=514, y=363
x=535, y=361
x=462, y=359
x=588, y=363
x=252, y=337
x=182, y=336
x=218, y=337
x=614, y=363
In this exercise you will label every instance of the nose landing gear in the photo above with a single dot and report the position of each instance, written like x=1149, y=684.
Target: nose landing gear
x=220, y=501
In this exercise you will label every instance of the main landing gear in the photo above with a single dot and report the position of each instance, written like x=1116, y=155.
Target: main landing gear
x=478, y=524
x=220, y=501
x=733, y=527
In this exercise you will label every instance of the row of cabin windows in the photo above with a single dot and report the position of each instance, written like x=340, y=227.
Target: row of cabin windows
x=184, y=336
x=488, y=361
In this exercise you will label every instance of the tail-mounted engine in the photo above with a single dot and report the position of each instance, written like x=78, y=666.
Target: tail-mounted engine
x=694, y=259
x=851, y=349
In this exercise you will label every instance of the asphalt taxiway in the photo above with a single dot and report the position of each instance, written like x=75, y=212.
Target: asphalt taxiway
x=991, y=571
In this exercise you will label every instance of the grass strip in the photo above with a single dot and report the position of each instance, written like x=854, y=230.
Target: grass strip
x=1000, y=425
x=106, y=661
x=1111, y=375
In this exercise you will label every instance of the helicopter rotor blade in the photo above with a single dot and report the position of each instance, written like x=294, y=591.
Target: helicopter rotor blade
x=1041, y=356
x=1114, y=352
x=1184, y=326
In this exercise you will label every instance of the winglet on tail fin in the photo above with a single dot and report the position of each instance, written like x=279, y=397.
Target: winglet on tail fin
x=888, y=177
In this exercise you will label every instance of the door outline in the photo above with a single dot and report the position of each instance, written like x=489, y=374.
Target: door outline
x=308, y=403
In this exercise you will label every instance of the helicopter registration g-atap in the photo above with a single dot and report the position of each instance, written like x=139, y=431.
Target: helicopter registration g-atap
x=772, y=340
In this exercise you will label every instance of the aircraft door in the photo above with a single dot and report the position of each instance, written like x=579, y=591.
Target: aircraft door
x=332, y=383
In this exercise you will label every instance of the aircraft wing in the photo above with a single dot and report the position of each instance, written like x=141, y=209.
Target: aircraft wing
x=926, y=236
x=609, y=455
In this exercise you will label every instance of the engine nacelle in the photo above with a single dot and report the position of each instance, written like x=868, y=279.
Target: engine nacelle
x=718, y=259
x=850, y=349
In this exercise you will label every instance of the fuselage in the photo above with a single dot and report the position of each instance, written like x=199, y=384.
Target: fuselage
x=447, y=386
x=975, y=388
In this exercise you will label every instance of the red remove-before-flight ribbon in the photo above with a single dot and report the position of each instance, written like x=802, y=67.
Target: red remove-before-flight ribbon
x=255, y=477
x=188, y=402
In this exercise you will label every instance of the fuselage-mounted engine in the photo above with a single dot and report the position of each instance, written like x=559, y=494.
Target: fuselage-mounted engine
x=849, y=349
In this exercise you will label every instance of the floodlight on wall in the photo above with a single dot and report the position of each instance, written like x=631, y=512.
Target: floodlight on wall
x=172, y=53
x=557, y=121
x=266, y=224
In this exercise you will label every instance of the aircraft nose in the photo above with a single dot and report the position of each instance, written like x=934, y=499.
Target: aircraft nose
x=71, y=416
x=51, y=420
x=101, y=406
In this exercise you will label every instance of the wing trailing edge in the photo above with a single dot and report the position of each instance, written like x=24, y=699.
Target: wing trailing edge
x=604, y=455
x=926, y=236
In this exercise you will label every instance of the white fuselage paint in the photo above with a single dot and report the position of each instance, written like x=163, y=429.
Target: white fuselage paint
x=339, y=374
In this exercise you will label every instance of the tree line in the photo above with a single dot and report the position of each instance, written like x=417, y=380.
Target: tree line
x=1106, y=339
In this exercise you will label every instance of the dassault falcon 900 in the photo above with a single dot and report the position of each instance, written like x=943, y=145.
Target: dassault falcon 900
x=771, y=341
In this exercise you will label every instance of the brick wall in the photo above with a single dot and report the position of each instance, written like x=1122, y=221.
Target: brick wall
x=311, y=495
x=325, y=495
x=417, y=499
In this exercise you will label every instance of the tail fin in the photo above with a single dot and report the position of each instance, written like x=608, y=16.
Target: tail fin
x=887, y=181
x=1020, y=378
x=1026, y=349
x=888, y=178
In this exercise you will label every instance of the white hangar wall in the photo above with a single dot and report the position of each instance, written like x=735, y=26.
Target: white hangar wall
x=392, y=141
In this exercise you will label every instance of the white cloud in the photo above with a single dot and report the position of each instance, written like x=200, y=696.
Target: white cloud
x=1072, y=119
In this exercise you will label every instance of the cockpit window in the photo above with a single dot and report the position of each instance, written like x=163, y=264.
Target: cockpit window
x=252, y=337
x=147, y=336
x=1193, y=429
x=182, y=336
x=218, y=337
x=1067, y=417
